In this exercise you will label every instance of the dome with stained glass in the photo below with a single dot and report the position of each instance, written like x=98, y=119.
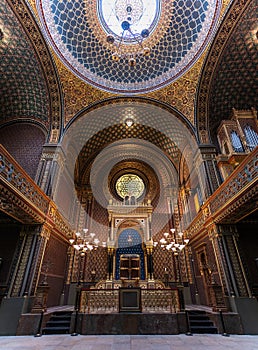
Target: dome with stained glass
x=129, y=46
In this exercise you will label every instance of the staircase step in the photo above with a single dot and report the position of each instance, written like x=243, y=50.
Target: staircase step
x=204, y=329
x=201, y=323
x=63, y=313
x=198, y=317
x=197, y=312
x=60, y=318
x=56, y=330
x=59, y=323
x=52, y=323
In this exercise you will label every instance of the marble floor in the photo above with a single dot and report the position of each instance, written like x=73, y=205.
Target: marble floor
x=130, y=342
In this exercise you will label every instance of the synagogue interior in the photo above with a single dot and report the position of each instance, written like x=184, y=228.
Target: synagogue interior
x=128, y=167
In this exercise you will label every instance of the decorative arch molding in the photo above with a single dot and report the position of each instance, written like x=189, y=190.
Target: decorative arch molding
x=202, y=116
x=44, y=57
x=133, y=101
x=138, y=150
x=107, y=120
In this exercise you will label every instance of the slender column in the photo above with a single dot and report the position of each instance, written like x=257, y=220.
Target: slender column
x=149, y=249
x=208, y=172
x=110, y=263
x=49, y=169
x=234, y=263
x=32, y=245
x=221, y=262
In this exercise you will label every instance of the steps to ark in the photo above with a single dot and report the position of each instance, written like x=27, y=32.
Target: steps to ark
x=59, y=323
x=200, y=322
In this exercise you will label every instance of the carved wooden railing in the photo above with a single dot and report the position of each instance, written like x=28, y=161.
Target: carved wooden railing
x=107, y=300
x=15, y=176
x=243, y=176
x=23, y=199
x=232, y=197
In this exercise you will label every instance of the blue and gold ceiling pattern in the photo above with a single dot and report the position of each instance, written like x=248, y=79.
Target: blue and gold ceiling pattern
x=75, y=32
x=29, y=84
x=235, y=78
x=24, y=93
x=229, y=77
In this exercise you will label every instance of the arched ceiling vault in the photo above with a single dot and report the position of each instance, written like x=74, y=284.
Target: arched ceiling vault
x=171, y=144
x=180, y=93
x=229, y=79
x=123, y=157
x=121, y=131
x=29, y=83
x=155, y=128
x=86, y=35
x=31, y=86
x=103, y=124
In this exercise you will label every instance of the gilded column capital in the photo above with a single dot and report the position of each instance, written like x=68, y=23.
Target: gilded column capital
x=45, y=232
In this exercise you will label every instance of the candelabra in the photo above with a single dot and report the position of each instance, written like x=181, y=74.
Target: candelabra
x=129, y=16
x=86, y=242
x=174, y=242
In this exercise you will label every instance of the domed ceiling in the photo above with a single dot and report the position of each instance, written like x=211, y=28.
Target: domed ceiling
x=129, y=46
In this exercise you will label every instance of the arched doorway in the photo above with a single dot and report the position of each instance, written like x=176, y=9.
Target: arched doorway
x=129, y=256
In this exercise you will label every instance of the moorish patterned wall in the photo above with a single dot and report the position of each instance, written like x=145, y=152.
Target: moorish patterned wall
x=27, y=149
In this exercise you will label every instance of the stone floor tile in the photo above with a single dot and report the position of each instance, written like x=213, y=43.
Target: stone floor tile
x=127, y=342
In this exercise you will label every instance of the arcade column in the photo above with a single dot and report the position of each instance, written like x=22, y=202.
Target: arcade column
x=24, y=279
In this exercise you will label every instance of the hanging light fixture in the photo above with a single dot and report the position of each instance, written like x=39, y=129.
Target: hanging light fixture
x=173, y=241
x=129, y=121
x=118, y=44
x=86, y=242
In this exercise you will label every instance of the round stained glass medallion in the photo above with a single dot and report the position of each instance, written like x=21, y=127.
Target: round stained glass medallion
x=128, y=18
x=174, y=34
x=130, y=185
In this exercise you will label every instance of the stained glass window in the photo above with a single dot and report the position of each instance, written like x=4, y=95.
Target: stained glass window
x=130, y=185
x=140, y=14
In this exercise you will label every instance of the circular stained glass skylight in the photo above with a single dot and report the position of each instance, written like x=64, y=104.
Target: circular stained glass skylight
x=178, y=32
x=139, y=14
x=130, y=185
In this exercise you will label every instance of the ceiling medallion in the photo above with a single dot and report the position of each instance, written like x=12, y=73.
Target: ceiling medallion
x=164, y=39
x=128, y=22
